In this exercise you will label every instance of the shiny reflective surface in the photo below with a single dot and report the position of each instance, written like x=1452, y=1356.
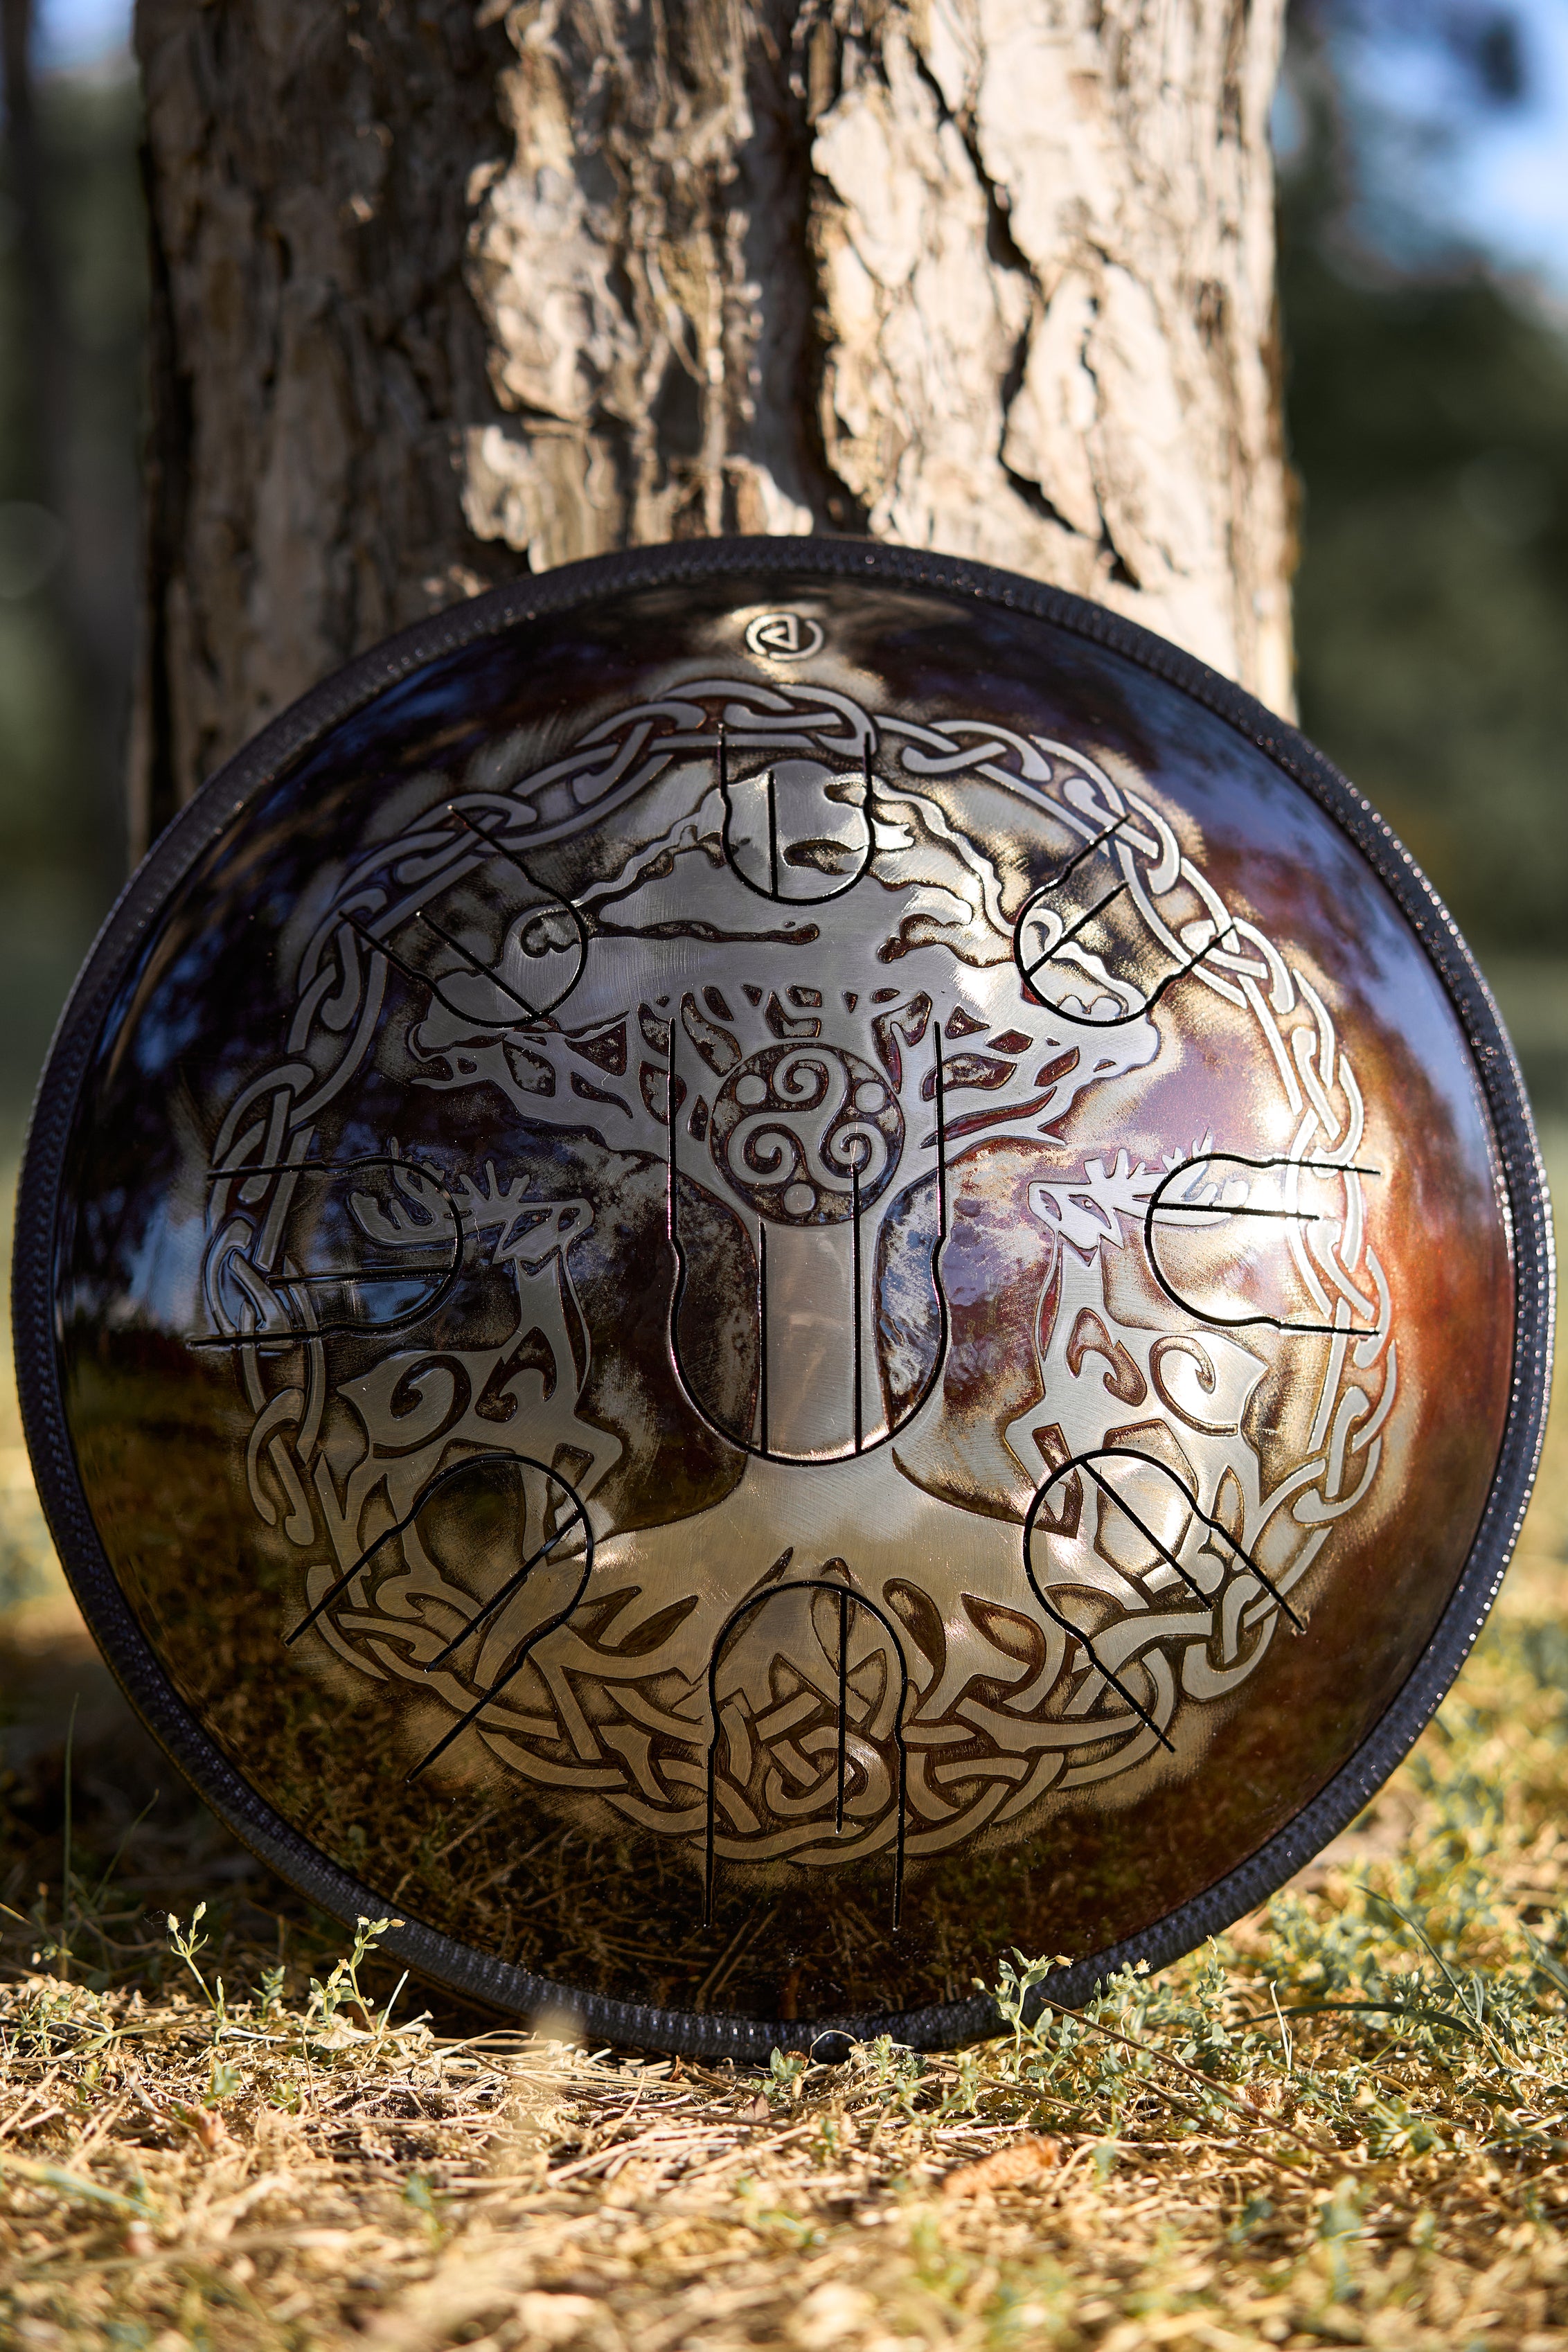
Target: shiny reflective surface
x=778, y=1283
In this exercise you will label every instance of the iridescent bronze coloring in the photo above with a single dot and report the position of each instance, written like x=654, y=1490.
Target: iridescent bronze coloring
x=775, y=1266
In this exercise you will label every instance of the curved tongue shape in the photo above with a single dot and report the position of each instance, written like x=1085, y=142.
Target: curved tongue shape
x=815, y=1363
x=796, y=831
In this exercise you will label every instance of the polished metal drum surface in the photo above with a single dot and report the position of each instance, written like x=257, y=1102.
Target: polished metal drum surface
x=766, y=1267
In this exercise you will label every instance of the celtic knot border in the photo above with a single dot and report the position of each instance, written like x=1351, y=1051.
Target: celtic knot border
x=342, y=979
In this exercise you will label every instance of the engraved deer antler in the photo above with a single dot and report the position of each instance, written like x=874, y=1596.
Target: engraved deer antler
x=1087, y=1209
x=528, y=1229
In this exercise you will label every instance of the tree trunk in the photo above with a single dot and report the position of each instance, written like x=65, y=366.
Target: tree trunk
x=440, y=293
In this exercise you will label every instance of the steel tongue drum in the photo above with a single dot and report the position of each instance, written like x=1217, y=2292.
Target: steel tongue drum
x=761, y=1269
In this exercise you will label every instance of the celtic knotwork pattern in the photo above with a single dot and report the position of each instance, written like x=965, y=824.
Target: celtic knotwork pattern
x=836, y=1002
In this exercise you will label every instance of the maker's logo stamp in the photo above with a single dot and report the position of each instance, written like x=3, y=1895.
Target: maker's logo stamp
x=784, y=636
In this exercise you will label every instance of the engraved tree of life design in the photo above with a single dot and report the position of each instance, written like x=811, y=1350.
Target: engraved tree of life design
x=807, y=1135
x=801, y=1012
x=808, y=1138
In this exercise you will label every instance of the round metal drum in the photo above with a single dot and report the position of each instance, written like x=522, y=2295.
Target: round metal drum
x=760, y=1269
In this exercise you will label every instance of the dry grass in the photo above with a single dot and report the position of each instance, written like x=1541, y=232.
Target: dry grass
x=1346, y=2123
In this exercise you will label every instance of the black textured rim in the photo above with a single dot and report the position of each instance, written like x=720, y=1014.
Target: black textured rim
x=439, y=1958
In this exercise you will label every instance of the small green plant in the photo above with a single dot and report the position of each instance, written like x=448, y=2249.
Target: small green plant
x=1338, y=2228
x=187, y=1942
x=898, y=2073
x=420, y=2191
x=786, y=2071
x=342, y=1990
x=224, y=2079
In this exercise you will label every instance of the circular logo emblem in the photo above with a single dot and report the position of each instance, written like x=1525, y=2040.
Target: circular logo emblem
x=784, y=637
x=807, y=1135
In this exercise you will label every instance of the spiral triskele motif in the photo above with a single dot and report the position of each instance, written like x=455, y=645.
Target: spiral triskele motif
x=806, y=1134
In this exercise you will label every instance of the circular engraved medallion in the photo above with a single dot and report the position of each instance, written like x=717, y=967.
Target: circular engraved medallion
x=807, y=1135
x=834, y=1317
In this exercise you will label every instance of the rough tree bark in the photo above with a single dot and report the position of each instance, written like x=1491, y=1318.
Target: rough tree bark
x=442, y=292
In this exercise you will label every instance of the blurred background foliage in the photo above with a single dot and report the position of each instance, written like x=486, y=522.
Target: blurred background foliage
x=72, y=276
x=1424, y=313
x=1423, y=299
